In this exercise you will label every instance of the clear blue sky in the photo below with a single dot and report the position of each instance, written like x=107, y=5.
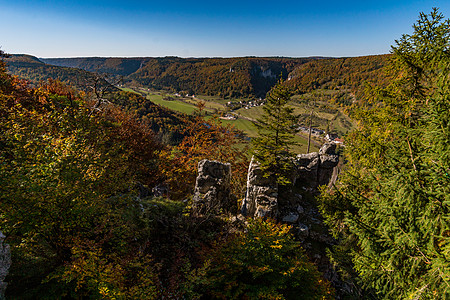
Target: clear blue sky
x=295, y=28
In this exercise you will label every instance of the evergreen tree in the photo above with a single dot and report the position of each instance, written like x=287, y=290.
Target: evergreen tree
x=391, y=208
x=276, y=133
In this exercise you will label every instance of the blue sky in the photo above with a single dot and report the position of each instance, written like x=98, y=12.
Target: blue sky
x=50, y=28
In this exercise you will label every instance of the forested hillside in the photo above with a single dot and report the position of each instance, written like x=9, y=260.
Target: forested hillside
x=224, y=77
x=112, y=65
x=246, y=77
x=352, y=74
x=81, y=218
x=230, y=77
x=33, y=69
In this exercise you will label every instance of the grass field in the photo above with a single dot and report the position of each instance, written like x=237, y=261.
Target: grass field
x=221, y=100
x=251, y=113
x=303, y=146
x=209, y=105
x=338, y=121
x=172, y=104
x=330, y=117
x=245, y=125
x=250, y=129
x=129, y=90
x=326, y=116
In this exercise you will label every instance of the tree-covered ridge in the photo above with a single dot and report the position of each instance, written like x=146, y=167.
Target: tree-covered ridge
x=109, y=65
x=244, y=76
x=31, y=68
x=350, y=74
x=224, y=77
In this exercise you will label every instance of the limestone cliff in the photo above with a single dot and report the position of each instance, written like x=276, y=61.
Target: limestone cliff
x=212, y=192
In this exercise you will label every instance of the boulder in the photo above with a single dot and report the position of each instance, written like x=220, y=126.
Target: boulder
x=160, y=191
x=309, y=161
x=316, y=168
x=303, y=230
x=328, y=148
x=328, y=162
x=212, y=193
x=5, y=263
x=307, y=169
x=290, y=218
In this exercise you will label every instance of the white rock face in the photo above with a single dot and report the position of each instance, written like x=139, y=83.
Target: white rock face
x=316, y=168
x=212, y=192
x=261, y=199
x=5, y=263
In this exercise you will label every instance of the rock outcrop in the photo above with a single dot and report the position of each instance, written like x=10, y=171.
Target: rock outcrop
x=293, y=204
x=261, y=198
x=316, y=169
x=307, y=169
x=5, y=263
x=328, y=163
x=264, y=198
x=212, y=192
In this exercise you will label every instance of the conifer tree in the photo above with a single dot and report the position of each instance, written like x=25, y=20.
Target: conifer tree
x=276, y=133
x=391, y=208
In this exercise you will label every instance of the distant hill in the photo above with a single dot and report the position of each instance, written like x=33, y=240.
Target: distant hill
x=111, y=65
x=224, y=77
x=33, y=69
x=242, y=77
x=346, y=74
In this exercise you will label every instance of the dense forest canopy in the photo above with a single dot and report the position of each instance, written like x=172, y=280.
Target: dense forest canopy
x=224, y=77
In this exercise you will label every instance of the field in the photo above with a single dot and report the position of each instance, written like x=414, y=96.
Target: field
x=324, y=115
x=245, y=125
x=176, y=105
x=129, y=90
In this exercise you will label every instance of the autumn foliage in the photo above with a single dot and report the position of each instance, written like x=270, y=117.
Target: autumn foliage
x=263, y=263
x=75, y=201
x=203, y=139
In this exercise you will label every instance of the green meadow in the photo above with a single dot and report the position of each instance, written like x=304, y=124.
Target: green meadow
x=245, y=116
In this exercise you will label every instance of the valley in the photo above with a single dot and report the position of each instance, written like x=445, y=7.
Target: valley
x=321, y=96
